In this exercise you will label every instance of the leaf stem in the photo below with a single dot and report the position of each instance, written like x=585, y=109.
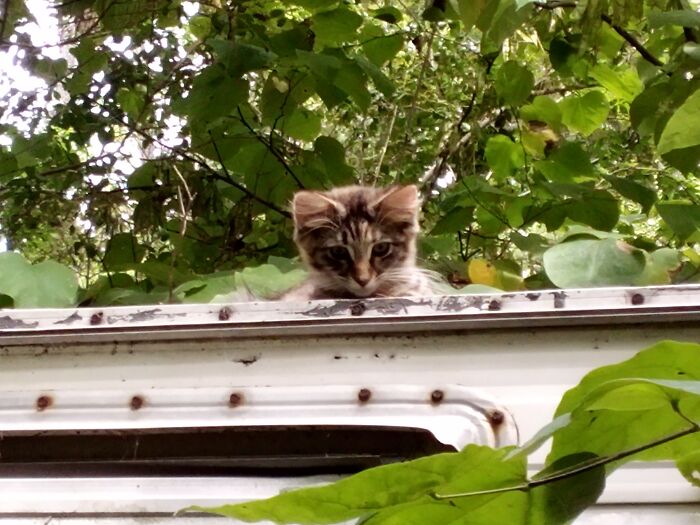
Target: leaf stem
x=578, y=469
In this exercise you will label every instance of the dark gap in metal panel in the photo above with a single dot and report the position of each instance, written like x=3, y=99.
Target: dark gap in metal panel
x=218, y=451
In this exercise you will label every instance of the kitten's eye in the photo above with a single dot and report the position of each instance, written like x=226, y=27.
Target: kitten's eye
x=339, y=253
x=381, y=249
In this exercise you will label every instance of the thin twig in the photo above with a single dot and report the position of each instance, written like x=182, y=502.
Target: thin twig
x=385, y=145
x=185, y=211
x=271, y=149
x=419, y=82
x=632, y=41
x=583, y=467
x=200, y=163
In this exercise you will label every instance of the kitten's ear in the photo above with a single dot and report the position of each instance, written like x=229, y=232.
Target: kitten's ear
x=400, y=204
x=311, y=207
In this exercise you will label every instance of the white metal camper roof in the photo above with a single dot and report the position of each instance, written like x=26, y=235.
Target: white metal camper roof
x=448, y=364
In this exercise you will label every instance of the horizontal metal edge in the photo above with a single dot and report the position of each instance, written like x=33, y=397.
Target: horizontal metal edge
x=580, y=307
x=334, y=327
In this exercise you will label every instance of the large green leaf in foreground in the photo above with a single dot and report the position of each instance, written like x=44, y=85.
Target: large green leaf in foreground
x=645, y=408
x=617, y=407
x=408, y=493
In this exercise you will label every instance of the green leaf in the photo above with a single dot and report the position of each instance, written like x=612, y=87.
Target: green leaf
x=644, y=110
x=313, y=5
x=469, y=11
x=514, y=83
x=390, y=489
x=689, y=465
x=382, y=82
x=585, y=263
x=200, y=26
x=597, y=208
x=569, y=163
x=681, y=130
x=335, y=26
x=584, y=113
x=47, y=284
x=672, y=366
x=457, y=219
x=661, y=265
x=50, y=70
x=214, y=94
x=542, y=109
x=382, y=49
x=563, y=500
x=684, y=17
x=90, y=61
x=623, y=85
x=683, y=217
x=302, y=124
x=123, y=250
x=239, y=58
x=634, y=191
x=352, y=80
x=388, y=14
x=635, y=396
x=131, y=100
x=504, y=156
x=332, y=155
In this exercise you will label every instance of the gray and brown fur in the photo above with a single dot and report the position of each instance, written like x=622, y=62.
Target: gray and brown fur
x=358, y=241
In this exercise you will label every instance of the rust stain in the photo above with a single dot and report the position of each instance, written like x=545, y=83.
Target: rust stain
x=364, y=395
x=225, y=313
x=637, y=299
x=495, y=417
x=43, y=402
x=235, y=399
x=437, y=396
x=136, y=402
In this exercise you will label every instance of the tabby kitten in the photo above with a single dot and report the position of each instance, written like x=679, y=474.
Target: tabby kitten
x=358, y=241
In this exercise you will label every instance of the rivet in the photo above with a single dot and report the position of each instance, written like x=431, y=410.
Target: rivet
x=235, y=399
x=96, y=318
x=136, y=402
x=358, y=309
x=364, y=395
x=495, y=417
x=637, y=299
x=43, y=402
x=436, y=396
x=225, y=313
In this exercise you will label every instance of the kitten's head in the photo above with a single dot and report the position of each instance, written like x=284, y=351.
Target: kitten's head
x=357, y=240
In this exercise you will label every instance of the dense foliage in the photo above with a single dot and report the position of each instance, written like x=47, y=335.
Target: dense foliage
x=555, y=142
x=646, y=408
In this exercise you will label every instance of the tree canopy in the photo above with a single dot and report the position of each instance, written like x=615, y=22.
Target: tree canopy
x=153, y=156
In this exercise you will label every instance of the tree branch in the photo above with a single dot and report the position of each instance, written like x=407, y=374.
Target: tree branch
x=632, y=41
x=271, y=149
x=200, y=163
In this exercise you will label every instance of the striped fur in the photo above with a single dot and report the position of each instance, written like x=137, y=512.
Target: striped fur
x=358, y=241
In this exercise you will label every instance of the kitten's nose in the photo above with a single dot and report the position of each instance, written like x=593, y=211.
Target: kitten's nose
x=362, y=279
x=362, y=274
